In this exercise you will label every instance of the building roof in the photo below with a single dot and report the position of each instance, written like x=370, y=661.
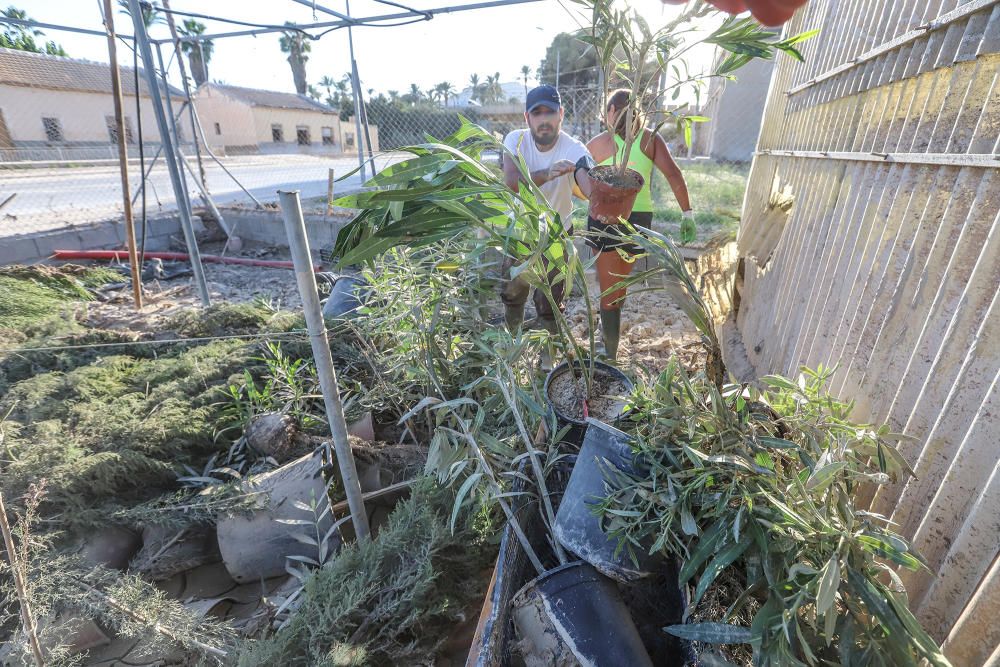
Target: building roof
x=40, y=70
x=272, y=98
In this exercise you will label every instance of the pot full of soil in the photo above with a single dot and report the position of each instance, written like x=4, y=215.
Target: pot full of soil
x=572, y=615
x=612, y=195
x=566, y=390
x=577, y=528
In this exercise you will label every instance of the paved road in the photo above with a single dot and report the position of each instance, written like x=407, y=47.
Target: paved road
x=53, y=197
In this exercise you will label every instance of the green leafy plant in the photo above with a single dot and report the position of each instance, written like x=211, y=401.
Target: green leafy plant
x=760, y=484
x=390, y=601
x=633, y=56
x=446, y=192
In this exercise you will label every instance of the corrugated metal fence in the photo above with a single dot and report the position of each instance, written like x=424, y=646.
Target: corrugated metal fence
x=871, y=241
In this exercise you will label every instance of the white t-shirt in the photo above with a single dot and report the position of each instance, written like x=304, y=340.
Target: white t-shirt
x=559, y=191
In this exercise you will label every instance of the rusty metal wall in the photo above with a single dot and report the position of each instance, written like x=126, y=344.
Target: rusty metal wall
x=871, y=242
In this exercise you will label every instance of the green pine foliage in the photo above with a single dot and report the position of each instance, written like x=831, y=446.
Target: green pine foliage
x=118, y=428
x=391, y=601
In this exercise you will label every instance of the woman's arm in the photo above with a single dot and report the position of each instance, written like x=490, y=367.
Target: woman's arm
x=601, y=147
x=665, y=163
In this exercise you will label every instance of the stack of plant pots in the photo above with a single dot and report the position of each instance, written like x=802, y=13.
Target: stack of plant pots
x=575, y=613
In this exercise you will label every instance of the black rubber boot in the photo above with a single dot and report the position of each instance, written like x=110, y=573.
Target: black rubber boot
x=514, y=317
x=611, y=325
x=549, y=324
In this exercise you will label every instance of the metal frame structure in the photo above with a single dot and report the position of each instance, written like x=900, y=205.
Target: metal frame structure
x=166, y=119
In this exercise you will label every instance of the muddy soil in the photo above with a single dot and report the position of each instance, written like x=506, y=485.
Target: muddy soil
x=605, y=401
x=163, y=299
x=609, y=175
x=653, y=328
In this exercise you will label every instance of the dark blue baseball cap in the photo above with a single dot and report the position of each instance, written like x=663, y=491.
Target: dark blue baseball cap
x=546, y=96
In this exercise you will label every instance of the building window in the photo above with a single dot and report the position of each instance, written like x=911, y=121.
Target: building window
x=53, y=129
x=218, y=129
x=302, y=135
x=109, y=122
x=327, y=136
x=277, y=134
x=349, y=139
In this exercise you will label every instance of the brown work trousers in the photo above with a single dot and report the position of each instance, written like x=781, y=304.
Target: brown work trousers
x=514, y=291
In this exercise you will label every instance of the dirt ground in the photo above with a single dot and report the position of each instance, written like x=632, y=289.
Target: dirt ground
x=227, y=283
x=653, y=327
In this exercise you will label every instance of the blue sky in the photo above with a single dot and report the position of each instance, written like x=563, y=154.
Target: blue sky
x=449, y=48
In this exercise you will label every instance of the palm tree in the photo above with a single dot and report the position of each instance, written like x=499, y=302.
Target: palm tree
x=447, y=90
x=394, y=96
x=199, y=52
x=295, y=44
x=150, y=13
x=415, y=95
x=474, y=82
x=525, y=71
x=492, y=91
x=497, y=89
x=328, y=82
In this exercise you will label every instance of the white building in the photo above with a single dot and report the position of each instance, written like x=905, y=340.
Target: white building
x=54, y=108
x=249, y=120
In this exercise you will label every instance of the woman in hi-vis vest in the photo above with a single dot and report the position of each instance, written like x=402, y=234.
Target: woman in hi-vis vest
x=615, y=255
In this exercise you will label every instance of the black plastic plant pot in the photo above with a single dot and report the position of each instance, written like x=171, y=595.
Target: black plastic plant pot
x=577, y=527
x=347, y=294
x=572, y=615
x=578, y=424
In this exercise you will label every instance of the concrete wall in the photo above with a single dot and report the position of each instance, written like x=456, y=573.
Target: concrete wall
x=347, y=129
x=105, y=235
x=267, y=227
x=290, y=120
x=243, y=128
x=81, y=116
x=870, y=241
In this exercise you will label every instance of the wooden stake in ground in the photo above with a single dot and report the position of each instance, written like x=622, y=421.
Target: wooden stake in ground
x=329, y=192
x=22, y=596
x=116, y=90
x=298, y=244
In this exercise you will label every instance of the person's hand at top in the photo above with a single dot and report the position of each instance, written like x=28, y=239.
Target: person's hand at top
x=560, y=168
x=768, y=12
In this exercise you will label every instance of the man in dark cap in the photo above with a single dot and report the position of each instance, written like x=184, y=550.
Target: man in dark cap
x=555, y=161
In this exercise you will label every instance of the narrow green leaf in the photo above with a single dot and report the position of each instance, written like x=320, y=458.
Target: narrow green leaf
x=706, y=546
x=711, y=633
x=829, y=583
x=467, y=485
x=823, y=477
x=721, y=561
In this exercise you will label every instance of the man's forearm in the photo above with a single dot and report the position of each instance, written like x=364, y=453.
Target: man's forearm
x=540, y=177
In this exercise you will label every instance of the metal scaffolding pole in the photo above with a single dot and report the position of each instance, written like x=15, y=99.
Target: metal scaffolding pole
x=170, y=151
x=116, y=93
x=187, y=87
x=356, y=84
x=180, y=155
x=362, y=21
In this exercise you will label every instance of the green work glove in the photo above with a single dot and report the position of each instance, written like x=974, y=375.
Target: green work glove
x=688, y=230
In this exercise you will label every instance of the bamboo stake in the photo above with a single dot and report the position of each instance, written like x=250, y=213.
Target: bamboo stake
x=298, y=244
x=329, y=192
x=116, y=89
x=22, y=595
